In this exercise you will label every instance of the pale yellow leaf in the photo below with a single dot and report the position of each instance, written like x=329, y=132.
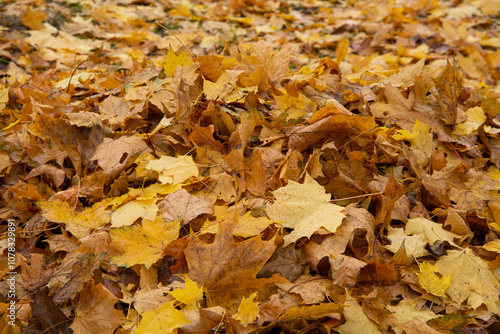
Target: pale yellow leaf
x=304, y=208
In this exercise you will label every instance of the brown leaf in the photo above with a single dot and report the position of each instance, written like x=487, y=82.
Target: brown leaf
x=50, y=316
x=233, y=266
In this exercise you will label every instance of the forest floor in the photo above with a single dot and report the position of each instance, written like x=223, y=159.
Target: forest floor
x=250, y=166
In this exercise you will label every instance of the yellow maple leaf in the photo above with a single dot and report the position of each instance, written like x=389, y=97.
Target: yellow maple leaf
x=172, y=60
x=475, y=118
x=165, y=320
x=431, y=282
x=79, y=224
x=406, y=311
x=414, y=244
x=190, y=295
x=403, y=135
x=219, y=89
x=305, y=208
x=127, y=214
x=295, y=107
x=144, y=244
x=248, y=226
x=421, y=143
x=174, y=170
x=33, y=18
x=471, y=278
x=248, y=310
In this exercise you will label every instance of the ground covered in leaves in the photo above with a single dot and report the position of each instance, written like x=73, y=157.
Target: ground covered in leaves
x=250, y=166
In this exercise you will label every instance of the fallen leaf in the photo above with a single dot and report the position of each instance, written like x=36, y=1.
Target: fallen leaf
x=144, y=244
x=233, y=266
x=95, y=312
x=304, y=208
x=79, y=224
x=431, y=282
x=470, y=275
x=166, y=319
x=248, y=310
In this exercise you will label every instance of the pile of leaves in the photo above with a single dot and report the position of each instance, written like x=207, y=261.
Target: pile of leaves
x=251, y=166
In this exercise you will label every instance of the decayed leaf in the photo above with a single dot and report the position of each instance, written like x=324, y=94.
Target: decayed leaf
x=79, y=224
x=431, y=282
x=145, y=244
x=166, y=319
x=305, y=208
x=471, y=279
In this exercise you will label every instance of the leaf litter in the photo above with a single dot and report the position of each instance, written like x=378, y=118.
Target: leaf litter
x=251, y=166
